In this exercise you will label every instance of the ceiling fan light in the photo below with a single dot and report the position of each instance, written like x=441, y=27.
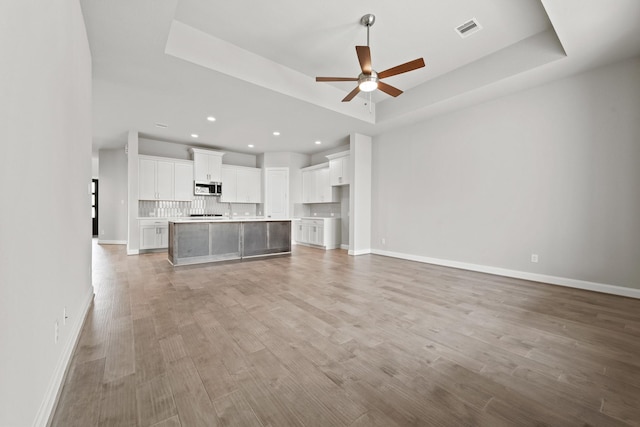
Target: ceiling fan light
x=368, y=85
x=368, y=82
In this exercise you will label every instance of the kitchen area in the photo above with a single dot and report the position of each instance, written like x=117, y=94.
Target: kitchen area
x=206, y=205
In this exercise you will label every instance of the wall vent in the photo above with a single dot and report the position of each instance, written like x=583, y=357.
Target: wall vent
x=470, y=27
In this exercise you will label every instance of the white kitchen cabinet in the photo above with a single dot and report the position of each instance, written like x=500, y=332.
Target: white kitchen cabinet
x=207, y=165
x=155, y=179
x=339, y=168
x=183, y=181
x=308, y=186
x=241, y=184
x=316, y=185
x=324, y=232
x=154, y=234
x=161, y=178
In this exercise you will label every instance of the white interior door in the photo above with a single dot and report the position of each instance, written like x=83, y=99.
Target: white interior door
x=276, y=193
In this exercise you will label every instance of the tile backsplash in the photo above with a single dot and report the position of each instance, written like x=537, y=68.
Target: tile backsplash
x=199, y=205
x=325, y=209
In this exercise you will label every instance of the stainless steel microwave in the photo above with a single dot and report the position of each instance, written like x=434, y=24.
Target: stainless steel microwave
x=207, y=189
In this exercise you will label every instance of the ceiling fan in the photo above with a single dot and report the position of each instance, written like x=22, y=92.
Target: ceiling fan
x=369, y=79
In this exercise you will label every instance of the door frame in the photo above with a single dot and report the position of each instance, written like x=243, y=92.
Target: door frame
x=94, y=221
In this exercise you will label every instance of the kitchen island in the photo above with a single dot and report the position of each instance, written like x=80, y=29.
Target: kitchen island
x=195, y=241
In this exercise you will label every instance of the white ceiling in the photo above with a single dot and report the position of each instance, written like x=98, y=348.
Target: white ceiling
x=178, y=61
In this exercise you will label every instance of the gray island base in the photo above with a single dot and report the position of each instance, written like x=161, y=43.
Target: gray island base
x=200, y=241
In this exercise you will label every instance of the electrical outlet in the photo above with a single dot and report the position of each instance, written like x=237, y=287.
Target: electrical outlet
x=102, y=232
x=384, y=241
x=534, y=257
x=56, y=331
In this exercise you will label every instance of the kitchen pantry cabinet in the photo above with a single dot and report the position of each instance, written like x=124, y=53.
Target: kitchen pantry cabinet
x=241, y=184
x=155, y=179
x=324, y=232
x=164, y=179
x=154, y=234
x=316, y=185
x=207, y=165
x=339, y=168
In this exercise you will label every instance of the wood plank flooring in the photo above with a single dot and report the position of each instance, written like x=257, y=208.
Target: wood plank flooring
x=323, y=339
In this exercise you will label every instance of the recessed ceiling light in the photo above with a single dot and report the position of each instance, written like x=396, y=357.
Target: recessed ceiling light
x=276, y=133
x=250, y=145
x=161, y=125
x=194, y=135
x=318, y=142
x=211, y=119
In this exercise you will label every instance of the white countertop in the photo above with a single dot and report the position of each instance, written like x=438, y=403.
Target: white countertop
x=187, y=218
x=225, y=219
x=319, y=217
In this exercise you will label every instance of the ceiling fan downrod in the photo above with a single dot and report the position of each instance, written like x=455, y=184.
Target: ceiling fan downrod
x=368, y=20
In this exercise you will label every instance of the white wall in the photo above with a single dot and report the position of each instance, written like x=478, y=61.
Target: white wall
x=45, y=220
x=95, y=167
x=112, y=196
x=552, y=171
x=360, y=200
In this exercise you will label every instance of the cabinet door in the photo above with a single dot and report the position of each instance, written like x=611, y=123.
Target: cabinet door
x=308, y=187
x=229, y=185
x=215, y=168
x=323, y=186
x=162, y=237
x=183, y=181
x=148, y=237
x=306, y=233
x=147, y=180
x=164, y=180
x=297, y=231
x=335, y=171
x=346, y=170
x=201, y=167
x=319, y=235
x=248, y=183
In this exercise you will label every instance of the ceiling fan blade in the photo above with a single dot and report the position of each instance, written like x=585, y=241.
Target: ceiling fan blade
x=388, y=89
x=351, y=94
x=403, y=68
x=336, y=79
x=364, y=56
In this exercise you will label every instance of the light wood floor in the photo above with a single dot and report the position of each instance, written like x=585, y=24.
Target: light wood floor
x=324, y=339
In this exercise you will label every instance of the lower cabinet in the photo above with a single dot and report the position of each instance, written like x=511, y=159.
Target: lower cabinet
x=154, y=234
x=324, y=232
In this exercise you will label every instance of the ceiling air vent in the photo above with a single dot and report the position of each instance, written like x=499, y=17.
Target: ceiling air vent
x=470, y=27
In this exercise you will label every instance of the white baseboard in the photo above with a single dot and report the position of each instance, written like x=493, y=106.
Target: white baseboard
x=344, y=247
x=48, y=406
x=535, y=277
x=112, y=242
x=133, y=252
x=360, y=252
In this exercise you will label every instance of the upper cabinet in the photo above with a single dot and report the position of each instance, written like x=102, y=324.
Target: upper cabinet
x=241, y=184
x=316, y=185
x=339, y=168
x=183, y=181
x=164, y=179
x=155, y=179
x=207, y=165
